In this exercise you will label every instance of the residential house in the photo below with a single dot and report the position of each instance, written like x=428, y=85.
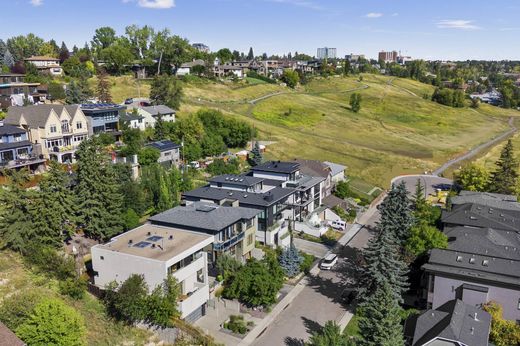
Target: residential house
x=248, y=192
x=452, y=324
x=222, y=71
x=14, y=90
x=187, y=67
x=337, y=172
x=315, y=168
x=133, y=121
x=155, y=252
x=103, y=118
x=46, y=64
x=54, y=130
x=233, y=228
x=150, y=114
x=170, y=152
x=16, y=149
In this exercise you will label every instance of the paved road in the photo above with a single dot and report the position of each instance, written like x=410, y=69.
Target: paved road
x=312, y=248
x=477, y=149
x=427, y=181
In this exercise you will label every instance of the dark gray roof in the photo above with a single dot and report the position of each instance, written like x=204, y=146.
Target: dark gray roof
x=332, y=201
x=7, y=129
x=216, y=194
x=164, y=145
x=476, y=215
x=233, y=179
x=335, y=168
x=130, y=117
x=486, y=241
x=203, y=216
x=4, y=146
x=488, y=195
x=493, y=200
x=277, y=167
x=159, y=109
x=454, y=321
x=36, y=115
x=474, y=267
x=314, y=168
x=196, y=62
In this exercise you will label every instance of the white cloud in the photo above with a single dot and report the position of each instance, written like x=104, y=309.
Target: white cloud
x=36, y=2
x=457, y=24
x=156, y=4
x=301, y=3
x=374, y=15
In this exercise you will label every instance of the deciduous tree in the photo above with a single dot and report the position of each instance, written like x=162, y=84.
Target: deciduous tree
x=166, y=90
x=472, y=177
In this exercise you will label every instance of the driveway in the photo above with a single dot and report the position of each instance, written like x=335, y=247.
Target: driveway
x=316, y=249
x=427, y=181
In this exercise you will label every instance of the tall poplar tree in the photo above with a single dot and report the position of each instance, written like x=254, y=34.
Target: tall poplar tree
x=504, y=178
x=98, y=197
x=379, y=319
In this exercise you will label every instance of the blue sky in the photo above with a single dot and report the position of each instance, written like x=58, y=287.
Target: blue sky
x=441, y=29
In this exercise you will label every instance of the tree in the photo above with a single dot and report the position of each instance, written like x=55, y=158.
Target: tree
x=117, y=56
x=379, y=319
x=148, y=156
x=290, y=260
x=504, y=178
x=131, y=219
x=329, y=335
x=103, y=87
x=8, y=59
x=99, y=199
x=503, y=332
x=24, y=46
x=16, y=309
x=74, y=94
x=3, y=49
x=424, y=237
x=346, y=68
x=224, y=55
x=472, y=177
x=355, y=102
x=48, y=49
x=227, y=266
x=127, y=302
x=396, y=213
x=290, y=77
x=475, y=102
x=161, y=304
x=165, y=200
x=103, y=38
x=56, y=91
x=53, y=323
x=257, y=155
x=342, y=190
x=250, y=54
x=166, y=90
x=64, y=53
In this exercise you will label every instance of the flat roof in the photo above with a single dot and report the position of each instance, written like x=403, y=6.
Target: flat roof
x=277, y=167
x=153, y=242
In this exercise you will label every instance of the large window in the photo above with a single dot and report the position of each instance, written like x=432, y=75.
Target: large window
x=79, y=125
x=53, y=128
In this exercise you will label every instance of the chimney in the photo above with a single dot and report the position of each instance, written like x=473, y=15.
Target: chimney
x=475, y=316
x=472, y=330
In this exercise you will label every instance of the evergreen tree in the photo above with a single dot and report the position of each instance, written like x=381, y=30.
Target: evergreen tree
x=290, y=260
x=64, y=52
x=54, y=218
x=103, y=87
x=8, y=59
x=3, y=49
x=329, y=335
x=250, y=55
x=355, y=102
x=504, y=178
x=165, y=199
x=257, y=155
x=74, y=94
x=159, y=131
x=396, y=213
x=379, y=319
x=99, y=199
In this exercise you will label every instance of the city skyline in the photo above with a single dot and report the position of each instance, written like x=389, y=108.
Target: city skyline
x=449, y=30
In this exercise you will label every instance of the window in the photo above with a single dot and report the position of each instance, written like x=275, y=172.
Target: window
x=102, y=258
x=79, y=125
x=249, y=223
x=53, y=129
x=23, y=151
x=17, y=138
x=249, y=239
x=200, y=276
x=518, y=305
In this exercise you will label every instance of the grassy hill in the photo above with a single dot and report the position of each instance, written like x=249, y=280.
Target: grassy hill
x=396, y=132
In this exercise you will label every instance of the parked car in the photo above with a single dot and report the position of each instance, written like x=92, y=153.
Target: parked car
x=129, y=101
x=329, y=261
x=443, y=187
x=338, y=224
x=195, y=164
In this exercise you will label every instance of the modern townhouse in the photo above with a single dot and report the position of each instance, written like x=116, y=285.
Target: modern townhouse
x=482, y=260
x=103, y=118
x=133, y=121
x=315, y=168
x=150, y=114
x=169, y=152
x=155, y=252
x=248, y=192
x=233, y=228
x=337, y=172
x=54, y=130
x=14, y=90
x=16, y=149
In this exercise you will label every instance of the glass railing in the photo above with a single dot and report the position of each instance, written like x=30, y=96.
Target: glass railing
x=221, y=246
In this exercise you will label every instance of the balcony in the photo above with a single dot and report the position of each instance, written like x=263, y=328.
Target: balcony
x=222, y=246
x=191, y=301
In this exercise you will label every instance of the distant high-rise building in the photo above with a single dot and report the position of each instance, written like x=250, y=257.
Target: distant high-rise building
x=388, y=56
x=354, y=57
x=201, y=47
x=326, y=53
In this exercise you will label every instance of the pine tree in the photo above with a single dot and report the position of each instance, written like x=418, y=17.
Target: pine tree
x=379, y=319
x=55, y=216
x=250, y=55
x=396, y=213
x=3, y=48
x=73, y=94
x=290, y=261
x=103, y=87
x=257, y=155
x=8, y=59
x=98, y=197
x=504, y=178
x=64, y=52
x=329, y=335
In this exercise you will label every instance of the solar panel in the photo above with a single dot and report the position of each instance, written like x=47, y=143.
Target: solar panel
x=142, y=244
x=154, y=238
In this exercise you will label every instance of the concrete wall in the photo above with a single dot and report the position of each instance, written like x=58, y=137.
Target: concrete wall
x=445, y=289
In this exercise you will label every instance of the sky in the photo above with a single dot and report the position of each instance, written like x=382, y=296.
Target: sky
x=440, y=29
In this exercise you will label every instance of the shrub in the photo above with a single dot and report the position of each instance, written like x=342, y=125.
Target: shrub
x=74, y=288
x=307, y=262
x=237, y=324
x=290, y=261
x=17, y=308
x=50, y=261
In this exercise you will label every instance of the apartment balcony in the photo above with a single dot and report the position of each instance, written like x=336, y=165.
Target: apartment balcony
x=192, y=300
x=222, y=246
x=65, y=148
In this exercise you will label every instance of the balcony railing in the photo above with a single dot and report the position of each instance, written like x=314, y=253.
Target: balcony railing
x=228, y=243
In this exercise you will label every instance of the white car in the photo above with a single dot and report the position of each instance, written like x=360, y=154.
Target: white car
x=338, y=224
x=329, y=261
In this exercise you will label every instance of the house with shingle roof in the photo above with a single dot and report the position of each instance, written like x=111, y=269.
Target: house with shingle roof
x=46, y=64
x=54, y=130
x=150, y=114
x=453, y=323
